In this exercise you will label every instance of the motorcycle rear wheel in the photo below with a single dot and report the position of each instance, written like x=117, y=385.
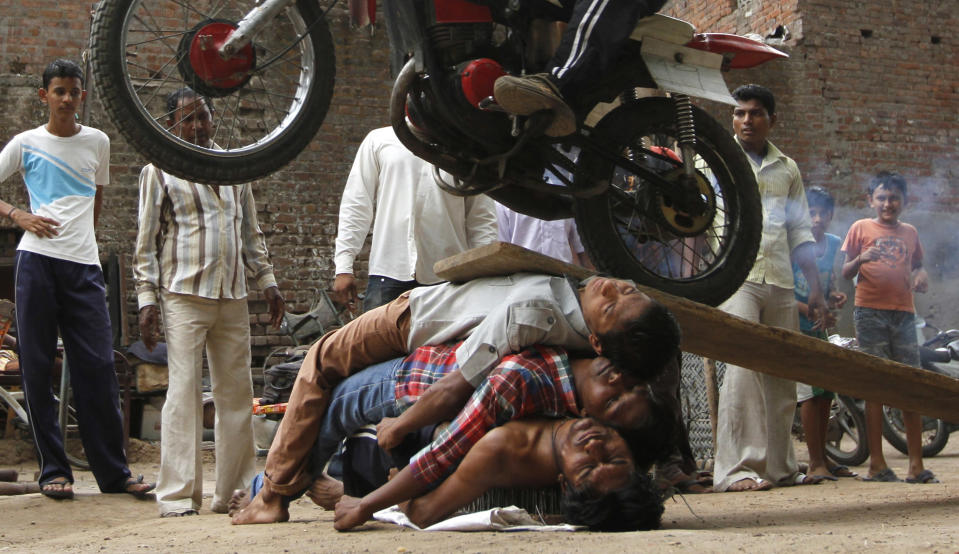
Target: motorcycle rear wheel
x=265, y=114
x=629, y=230
x=935, y=432
x=846, y=432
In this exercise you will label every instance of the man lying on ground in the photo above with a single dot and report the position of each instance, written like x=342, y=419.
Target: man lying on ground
x=496, y=316
x=592, y=463
x=540, y=381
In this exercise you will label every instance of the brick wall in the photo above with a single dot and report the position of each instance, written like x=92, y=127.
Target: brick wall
x=869, y=86
x=297, y=207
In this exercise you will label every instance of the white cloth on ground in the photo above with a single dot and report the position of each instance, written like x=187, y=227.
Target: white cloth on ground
x=510, y=518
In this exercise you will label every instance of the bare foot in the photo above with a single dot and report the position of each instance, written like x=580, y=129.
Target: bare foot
x=818, y=470
x=325, y=492
x=238, y=500
x=750, y=484
x=266, y=507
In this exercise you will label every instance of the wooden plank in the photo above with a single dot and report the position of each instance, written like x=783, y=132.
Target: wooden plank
x=715, y=334
x=502, y=258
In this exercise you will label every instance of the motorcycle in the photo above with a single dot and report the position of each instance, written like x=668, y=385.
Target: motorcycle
x=660, y=191
x=942, y=348
x=846, y=431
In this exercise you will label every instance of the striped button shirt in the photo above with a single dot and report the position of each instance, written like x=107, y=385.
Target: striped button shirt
x=195, y=239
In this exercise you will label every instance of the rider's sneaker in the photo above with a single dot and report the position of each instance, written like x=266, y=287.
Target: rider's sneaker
x=532, y=93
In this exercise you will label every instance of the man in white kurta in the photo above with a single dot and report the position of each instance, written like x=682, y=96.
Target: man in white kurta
x=414, y=222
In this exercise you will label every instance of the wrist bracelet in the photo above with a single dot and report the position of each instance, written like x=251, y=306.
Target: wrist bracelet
x=10, y=213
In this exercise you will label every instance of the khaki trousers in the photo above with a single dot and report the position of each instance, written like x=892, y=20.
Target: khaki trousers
x=376, y=336
x=223, y=327
x=756, y=410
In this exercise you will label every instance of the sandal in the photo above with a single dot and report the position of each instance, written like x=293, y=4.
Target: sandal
x=180, y=514
x=140, y=493
x=842, y=471
x=885, y=476
x=694, y=486
x=925, y=477
x=64, y=492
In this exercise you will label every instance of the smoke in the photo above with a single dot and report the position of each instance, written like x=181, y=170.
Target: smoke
x=929, y=209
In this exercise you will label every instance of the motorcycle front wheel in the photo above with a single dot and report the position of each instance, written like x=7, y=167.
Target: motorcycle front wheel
x=935, y=432
x=636, y=229
x=268, y=101
x=846, y=432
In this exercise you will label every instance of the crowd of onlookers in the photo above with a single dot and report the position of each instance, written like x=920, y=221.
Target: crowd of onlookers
x=517, y=381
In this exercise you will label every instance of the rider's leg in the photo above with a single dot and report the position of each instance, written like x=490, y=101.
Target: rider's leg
x=596, y=32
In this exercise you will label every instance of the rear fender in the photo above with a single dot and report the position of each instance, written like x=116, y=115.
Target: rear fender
x=740, y=52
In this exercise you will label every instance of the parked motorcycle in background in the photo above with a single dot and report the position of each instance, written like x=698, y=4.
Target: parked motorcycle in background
x=941, y=348
x=660, y=191
x=846, y=433
x=846, y=441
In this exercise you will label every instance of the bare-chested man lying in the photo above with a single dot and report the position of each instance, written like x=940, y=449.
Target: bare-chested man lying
x=592, y=463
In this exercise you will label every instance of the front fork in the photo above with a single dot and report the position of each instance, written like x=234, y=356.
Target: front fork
x=251, y=23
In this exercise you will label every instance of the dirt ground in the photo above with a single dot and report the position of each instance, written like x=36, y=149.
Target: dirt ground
x=848, y=515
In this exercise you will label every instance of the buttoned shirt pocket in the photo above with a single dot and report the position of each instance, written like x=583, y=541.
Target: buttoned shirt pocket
x=529, y=325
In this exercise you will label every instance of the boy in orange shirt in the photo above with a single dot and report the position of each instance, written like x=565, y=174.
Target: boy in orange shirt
x=886, y=255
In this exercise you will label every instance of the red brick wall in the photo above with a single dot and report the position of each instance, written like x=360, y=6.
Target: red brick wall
x=297, y=207
x=851, y=104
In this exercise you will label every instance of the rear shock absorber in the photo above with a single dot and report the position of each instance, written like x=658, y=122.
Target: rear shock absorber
x=686, y=135
x=686, y=132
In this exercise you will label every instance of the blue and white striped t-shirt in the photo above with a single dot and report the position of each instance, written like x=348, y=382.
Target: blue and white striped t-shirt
x=61, y=174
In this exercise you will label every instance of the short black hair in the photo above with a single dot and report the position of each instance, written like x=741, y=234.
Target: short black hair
x=821, y=198
x=756, y=92
x=641, y=347
x=889, y=180
x=173, y=100
x=61, y=68
x=637, y=506
x=657, y=438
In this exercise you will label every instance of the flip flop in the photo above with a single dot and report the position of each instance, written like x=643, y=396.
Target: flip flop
x=842, y=471
x=64, y=493
x=694, y=486
x=141, y=493
x=180, y=514
x=885, y=476
x=802, y=479
x=925, y=477
x=825, y=477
